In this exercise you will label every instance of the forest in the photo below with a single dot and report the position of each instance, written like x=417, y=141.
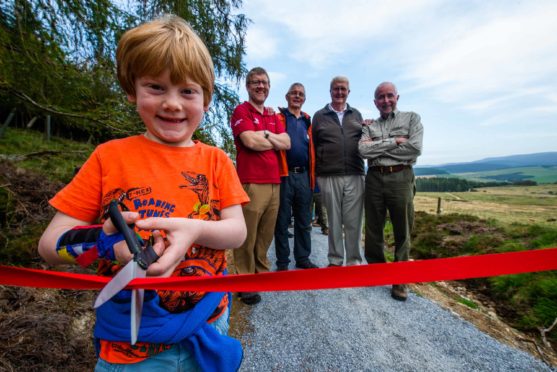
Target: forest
x=57, y=64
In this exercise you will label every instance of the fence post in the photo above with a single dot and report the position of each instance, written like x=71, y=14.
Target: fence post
x=439, y=210
x=32, y=121
x=7, y=122
x=47, y=128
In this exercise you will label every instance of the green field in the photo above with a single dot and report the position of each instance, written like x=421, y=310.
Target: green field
x=537, y=174
x=523, y=204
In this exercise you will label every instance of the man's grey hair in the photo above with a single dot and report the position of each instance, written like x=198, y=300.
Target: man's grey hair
x=382, y=85
x=296, y=85
x=339, y=79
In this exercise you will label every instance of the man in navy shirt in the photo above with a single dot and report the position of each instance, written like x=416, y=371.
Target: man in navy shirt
x=297, y=183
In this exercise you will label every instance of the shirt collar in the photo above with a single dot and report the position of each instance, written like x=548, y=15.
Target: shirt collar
x=253, y=109
x=391, y=115
x=339, y=112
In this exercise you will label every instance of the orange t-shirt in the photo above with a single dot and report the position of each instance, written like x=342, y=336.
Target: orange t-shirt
x=156, y=180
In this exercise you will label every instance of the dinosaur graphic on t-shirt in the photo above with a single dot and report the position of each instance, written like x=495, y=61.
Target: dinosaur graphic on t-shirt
x=204, y=209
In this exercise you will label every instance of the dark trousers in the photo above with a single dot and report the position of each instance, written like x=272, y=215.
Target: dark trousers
x=295, y=199
x=393, y=192
x=320, y=211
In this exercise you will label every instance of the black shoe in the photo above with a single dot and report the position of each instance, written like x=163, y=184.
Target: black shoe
x=333, y=265
x=325, y=231
x=399, y=292
x=290, y=235
x=306, y=265
x=282, y=268
x=250, y=298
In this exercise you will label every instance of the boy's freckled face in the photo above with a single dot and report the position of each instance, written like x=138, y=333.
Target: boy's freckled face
x=171, y=112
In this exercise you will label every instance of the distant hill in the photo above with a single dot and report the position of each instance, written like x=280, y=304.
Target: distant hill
x=540, y=167
x=541, y=159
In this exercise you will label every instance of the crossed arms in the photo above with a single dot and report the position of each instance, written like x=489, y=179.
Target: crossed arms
x=402, y=148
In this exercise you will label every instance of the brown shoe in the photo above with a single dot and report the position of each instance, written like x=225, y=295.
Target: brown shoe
x=325, y=231
x=399, y=292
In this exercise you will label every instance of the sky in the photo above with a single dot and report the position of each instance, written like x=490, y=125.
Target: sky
x=481, y=74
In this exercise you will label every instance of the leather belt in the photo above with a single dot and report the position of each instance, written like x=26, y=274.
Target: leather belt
x=297, y=169
x=389, y=168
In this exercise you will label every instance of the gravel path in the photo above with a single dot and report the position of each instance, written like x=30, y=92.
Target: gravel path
x=364, y=329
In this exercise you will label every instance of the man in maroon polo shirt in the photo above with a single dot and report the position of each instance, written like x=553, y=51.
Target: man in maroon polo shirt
x=258, y=135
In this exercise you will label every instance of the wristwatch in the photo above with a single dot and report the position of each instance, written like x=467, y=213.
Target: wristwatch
x=266, y=133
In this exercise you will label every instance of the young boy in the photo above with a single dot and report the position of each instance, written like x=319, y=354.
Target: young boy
x=188, y=190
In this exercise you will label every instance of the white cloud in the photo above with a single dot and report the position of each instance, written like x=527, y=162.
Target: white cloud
x=277, y=77
x=322, y=32
x=475, y=70
x=485, y=56
x=260, y=44
x=485, y=102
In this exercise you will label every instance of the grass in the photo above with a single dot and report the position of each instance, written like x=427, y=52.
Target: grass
x=537, y=174
x=467, y=302
x=527, y=301
x=32, y=171
x=512, y=204
x=55, y=159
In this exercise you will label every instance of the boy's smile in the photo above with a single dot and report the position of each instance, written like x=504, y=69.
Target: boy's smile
x=170, y=111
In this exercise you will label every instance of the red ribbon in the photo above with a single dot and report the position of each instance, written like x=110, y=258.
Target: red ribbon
x=455, y=268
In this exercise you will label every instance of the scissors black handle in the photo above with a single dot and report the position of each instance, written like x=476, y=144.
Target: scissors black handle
x=143, y=257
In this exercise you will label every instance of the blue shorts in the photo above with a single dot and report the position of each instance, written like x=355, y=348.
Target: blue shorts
x=177, y=358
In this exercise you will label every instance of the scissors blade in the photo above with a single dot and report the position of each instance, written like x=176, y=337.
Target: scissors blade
x=119, y=282
x=136, y=308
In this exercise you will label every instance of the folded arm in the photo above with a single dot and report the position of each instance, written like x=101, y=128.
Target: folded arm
x=371, y=148
x=256, y=141
x=408, y=149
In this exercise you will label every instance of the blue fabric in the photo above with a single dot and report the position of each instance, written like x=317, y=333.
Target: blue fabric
x=297, y=129
x=105, y=244
x=295, y=199
x=212, y=350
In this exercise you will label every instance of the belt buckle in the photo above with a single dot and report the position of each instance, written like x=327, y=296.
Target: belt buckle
x=390, y=169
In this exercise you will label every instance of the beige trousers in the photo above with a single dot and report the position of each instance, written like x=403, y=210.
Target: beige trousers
x=260, y=215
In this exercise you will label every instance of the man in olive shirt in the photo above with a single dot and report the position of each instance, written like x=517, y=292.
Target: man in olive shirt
x=391, y=144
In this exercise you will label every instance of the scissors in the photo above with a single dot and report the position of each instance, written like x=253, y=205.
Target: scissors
x=136, y=268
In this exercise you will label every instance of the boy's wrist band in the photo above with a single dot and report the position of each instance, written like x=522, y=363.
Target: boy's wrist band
x=105, y=244
x=81, y=240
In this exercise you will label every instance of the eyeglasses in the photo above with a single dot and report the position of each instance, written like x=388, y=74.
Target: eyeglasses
x=339, y=89
x=296, y=94
x=258, y=82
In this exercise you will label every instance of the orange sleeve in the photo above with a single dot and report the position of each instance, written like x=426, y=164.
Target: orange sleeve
x=228, y=182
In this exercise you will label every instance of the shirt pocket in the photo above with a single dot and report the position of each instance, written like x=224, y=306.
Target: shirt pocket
x=375, y=133
x=399, y=131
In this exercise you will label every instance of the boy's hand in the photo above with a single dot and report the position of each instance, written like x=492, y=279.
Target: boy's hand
x=181, y=233
x=121, y=250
